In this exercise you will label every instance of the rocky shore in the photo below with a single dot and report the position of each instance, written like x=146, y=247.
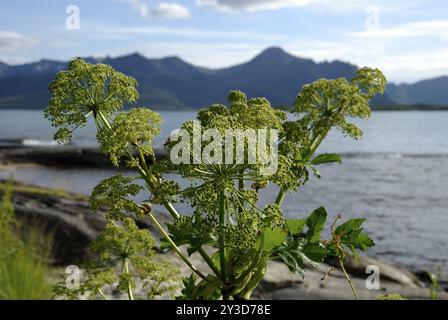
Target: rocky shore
x=68, y=217
x=68, y=157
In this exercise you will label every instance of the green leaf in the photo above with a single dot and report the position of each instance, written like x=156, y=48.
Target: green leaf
x=291, y=254
x=326, y=158
x=208, y=290
x=296, y=252
x=352, y=235
x=273, y=238
x=295, y=226
x=359, y=240
x=315, y=252
x=315, y=224
x=349, y=226
x=189, y=287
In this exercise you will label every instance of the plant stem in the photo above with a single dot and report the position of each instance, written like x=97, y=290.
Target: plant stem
x=222, y=248
x=102, y=294
x=241, y=180
x=176, y=248
x=349, y=280
x=126, y=271
x=209, y=262
x=104, y=120
x=314, y=145
x=280, y=197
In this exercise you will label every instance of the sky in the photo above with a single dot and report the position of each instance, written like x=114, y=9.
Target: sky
x=406, y=39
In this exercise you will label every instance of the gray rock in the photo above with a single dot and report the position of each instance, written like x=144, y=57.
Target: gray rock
x=69, y=220
x=357, y=267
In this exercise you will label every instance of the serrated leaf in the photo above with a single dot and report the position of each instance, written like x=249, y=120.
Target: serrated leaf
x=349, y=226
x=293, y=262
x=295, y=226
x=189, y=284
x=359, y=240
x=315, y=224
x=296, y=252
x=290, y=253
x=352, y=235
x=326, y=158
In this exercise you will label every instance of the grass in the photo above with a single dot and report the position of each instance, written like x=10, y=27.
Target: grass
x=24, y=188
x=23, y=276
x=24, y=253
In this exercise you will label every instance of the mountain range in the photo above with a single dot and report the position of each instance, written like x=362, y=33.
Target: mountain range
x=173, y=84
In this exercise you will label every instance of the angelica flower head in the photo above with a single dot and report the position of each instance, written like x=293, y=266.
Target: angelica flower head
x=86, y=89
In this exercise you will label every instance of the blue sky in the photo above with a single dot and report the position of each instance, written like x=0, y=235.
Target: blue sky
x=408, y=40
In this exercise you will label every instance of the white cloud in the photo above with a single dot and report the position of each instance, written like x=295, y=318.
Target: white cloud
x=13, y=41
x=264, y=5
x=211, y=55
x=165, y=10
x=435, y=29
x=416, y=64
x=121, y=32
x=251, y=5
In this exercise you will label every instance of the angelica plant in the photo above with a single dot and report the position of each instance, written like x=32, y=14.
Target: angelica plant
x=130, y=250
x=233, y=234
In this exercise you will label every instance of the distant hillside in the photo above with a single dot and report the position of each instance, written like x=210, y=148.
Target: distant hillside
x=173, y=84
x=432, y=92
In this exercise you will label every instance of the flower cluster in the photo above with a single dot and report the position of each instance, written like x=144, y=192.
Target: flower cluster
x=86, y=89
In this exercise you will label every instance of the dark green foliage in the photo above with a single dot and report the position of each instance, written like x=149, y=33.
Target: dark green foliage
x=351, y=234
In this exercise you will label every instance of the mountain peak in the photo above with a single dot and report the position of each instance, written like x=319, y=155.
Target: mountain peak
x=273, y=52
x=278, y=55
x=131, y=57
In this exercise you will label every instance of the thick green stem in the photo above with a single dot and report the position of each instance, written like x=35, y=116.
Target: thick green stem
x=280, y=197
x=209, y=262
x=104, y=121
x=222, y=248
